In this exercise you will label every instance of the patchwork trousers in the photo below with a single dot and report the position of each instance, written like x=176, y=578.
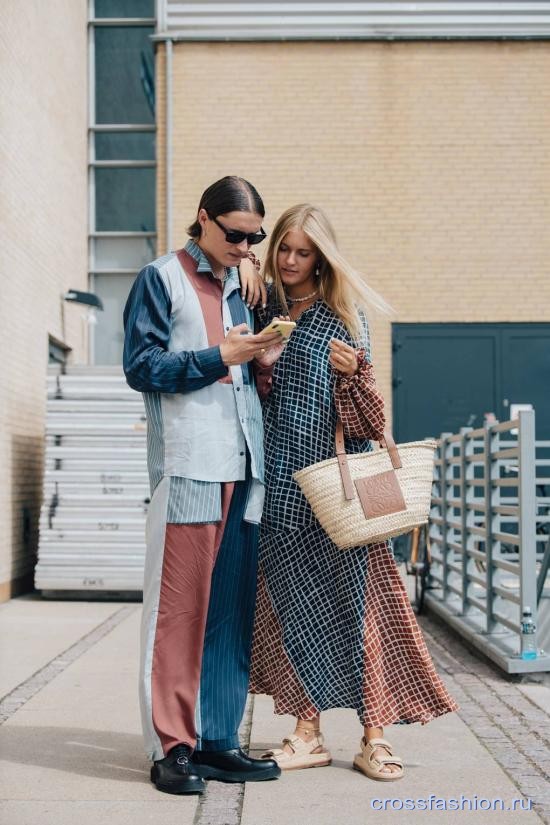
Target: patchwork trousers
x=196, y=633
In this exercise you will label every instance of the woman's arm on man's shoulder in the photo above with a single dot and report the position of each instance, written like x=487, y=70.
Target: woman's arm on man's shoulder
x=253, y=289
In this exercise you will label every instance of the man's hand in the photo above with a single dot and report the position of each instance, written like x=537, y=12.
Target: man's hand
x=253, y=288
x=241, y=345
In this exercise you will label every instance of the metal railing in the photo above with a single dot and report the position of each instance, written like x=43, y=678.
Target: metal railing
x=488, y=534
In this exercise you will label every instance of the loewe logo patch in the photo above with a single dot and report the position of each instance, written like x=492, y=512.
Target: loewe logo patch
x=380, y=495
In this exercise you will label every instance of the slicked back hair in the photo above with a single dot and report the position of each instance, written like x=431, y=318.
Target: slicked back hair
x=229, y=194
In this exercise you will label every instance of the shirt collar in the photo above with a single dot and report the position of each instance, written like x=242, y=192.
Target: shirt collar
x=203, y=265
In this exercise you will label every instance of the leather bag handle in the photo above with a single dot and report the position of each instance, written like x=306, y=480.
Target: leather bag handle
x=386, y=442
x=347, y=483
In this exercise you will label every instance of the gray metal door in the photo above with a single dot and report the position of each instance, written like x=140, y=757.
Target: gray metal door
x=447, y=376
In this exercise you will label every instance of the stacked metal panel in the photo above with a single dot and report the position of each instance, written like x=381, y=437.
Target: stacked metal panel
x=96, y=489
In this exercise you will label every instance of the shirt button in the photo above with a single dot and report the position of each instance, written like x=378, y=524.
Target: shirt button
x=227, y=329
x=238, y=389
x=241, y=453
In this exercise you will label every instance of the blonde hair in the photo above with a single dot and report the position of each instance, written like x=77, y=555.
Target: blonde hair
x=341, y=287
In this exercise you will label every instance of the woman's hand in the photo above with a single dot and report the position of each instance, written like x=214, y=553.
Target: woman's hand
x=252, y=285
x=240, y=345
x=272, y=353
x=343, y=357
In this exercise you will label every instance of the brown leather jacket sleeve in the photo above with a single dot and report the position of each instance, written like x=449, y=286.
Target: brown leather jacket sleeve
x=359, y=404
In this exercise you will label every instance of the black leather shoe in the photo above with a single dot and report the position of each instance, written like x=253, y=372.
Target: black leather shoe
x=234, y=766
x=176, y=773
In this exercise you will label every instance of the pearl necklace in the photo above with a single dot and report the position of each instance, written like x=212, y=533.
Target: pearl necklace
x=301, y=300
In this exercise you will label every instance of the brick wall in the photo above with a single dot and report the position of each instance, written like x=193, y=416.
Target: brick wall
x=432, y=160
x=43, y=93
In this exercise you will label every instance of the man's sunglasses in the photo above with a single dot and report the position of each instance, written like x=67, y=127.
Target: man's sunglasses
x=236, y=236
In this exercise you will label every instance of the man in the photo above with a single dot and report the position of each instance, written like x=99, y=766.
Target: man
x=188, y=347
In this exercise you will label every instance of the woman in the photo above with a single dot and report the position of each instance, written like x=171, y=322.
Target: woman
x=333, y=628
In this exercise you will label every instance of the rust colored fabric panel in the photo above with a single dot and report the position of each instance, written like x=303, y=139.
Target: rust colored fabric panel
x=209, y=292
x=401, y=683
x=190, y=553
x=264, y=379
x=359, y=403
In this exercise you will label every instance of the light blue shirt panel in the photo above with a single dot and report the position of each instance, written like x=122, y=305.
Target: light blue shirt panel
x=193, y=501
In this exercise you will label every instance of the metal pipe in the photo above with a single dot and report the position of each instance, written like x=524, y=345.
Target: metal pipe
x=466, y=517
x=123, y=127
x=91, y=170
x=527, y=515
x=168, y=161
x=444, y=450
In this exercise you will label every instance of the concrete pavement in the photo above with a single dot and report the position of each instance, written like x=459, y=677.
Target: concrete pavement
x=71, y=745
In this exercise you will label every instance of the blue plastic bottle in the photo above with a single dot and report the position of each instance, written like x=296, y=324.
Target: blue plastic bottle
x=528, y=638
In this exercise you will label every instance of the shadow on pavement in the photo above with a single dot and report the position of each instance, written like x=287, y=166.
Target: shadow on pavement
x=96, y=753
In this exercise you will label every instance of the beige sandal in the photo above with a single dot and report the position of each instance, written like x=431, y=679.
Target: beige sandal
x=310, y=754
x=372, y=765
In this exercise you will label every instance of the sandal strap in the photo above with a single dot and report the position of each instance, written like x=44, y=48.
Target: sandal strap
x=318, y=738
x=378, y=742
x=298, y=749
x=297, y=746
x=273, y=752
x=293, y=742
x=388, y=760
x=300, y=745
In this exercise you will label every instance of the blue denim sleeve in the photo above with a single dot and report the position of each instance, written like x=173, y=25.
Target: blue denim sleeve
x=148, y=365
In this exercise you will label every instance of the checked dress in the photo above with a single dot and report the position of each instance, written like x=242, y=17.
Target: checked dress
x=333, y=628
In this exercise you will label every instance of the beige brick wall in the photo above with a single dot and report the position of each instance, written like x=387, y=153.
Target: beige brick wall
x=43, y=93
x=432, y=159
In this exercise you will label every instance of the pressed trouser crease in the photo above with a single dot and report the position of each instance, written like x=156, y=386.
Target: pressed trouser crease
x=198, y=612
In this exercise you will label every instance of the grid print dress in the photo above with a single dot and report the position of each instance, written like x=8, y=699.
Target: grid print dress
x=333, y=628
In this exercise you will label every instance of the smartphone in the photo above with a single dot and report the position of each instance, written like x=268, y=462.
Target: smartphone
x=277, y=325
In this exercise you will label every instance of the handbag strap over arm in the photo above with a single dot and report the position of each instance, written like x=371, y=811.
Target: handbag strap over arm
x=385, y=442
x=347, y=483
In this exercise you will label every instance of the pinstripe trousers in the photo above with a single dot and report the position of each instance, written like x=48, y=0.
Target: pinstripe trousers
x=198, y=614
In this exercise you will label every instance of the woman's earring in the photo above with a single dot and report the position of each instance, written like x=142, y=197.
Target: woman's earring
x=317, y=271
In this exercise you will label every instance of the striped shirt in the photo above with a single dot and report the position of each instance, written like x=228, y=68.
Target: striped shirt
x=204, y=419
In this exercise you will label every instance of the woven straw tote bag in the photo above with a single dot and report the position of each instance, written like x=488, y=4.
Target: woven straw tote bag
x=369, y=497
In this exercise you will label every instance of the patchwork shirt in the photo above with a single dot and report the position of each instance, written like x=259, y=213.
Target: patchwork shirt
x=204, y=420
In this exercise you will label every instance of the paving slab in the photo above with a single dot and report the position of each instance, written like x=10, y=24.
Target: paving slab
x=443, y=759
x=91, y=812
x=72, y=748
x=34, y=631
x=513, y=727
x=539, y=695
x=73, y=753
